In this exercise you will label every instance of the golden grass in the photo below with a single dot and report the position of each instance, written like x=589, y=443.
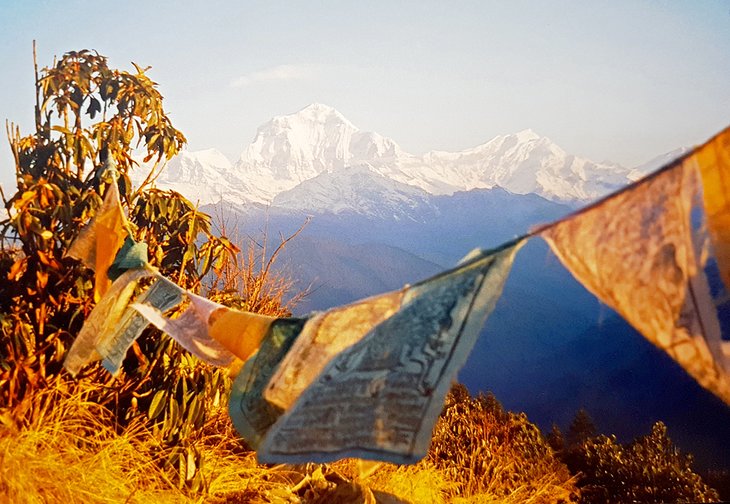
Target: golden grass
x=70, y=452
x=64, y=449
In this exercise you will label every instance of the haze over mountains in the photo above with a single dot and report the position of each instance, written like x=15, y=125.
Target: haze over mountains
x=382, y=217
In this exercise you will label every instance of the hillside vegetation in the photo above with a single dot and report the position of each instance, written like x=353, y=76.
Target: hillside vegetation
x=159, y=432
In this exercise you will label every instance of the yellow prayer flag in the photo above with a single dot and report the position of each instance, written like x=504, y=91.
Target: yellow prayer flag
x=637, y=251
x=323, y=337
x=713, y=160
x=98, y=243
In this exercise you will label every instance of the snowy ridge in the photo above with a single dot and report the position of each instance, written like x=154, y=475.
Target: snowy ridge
x=356, y=189
x=203, y=177
x=336, y=167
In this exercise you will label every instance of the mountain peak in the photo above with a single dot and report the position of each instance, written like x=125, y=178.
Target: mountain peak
x=526, y=135
x=319, y=108
x=293, y=148
x=316, y=113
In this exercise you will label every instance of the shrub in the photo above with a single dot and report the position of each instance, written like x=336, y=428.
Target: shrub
x=490, y=453
x=651, y=469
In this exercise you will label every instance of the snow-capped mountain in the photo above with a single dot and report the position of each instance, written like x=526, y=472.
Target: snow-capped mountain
x=526, y=163
x=290, y=149
x=356, y=189
x=654, y=164
x=312, y=152
x=204, y=177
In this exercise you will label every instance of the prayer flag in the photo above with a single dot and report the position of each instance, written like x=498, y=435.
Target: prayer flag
x=241, y=333
x=103, y=321
x=713, y=161
x=113, y=346
x=324, y=336
x=250, y=413
x=641, y=252
x=190, y=329
x=380, y=397
x=97, y=244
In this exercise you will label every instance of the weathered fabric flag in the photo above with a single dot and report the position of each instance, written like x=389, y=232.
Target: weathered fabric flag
x=190, y=329
x=103, y=321
x=239, y=332
x=293, y=353
x=380, y=397
x=641, y=252
x=97, y=244
x=113, y=346
x=132, y=255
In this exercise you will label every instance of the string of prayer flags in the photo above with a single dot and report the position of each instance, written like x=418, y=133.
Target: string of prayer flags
x=190, y=329
x=641, y=251
x=379, y=399
x=369, y=379
x=212, y=332
x=97, y=244
x=102, y=322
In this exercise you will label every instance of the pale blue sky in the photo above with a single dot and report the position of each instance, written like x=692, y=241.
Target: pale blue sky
x=619, y=80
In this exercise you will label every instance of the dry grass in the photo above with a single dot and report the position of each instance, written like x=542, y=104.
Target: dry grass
x=70, y=452
x=63, y=448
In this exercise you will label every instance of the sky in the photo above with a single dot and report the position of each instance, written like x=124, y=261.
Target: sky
x=623, y=81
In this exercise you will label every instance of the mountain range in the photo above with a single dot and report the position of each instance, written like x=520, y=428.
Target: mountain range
x=316, y=159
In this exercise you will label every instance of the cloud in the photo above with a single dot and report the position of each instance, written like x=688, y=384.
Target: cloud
x=275, y=73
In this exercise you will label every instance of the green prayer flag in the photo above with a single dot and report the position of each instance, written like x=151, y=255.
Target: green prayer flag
x=132, y=255
x=252, y=415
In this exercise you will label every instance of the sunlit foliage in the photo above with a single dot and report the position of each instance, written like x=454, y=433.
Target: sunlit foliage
x=88, y=115
x=488, y=451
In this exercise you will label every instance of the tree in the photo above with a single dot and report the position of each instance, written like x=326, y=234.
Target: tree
x=87, y=115
x=581, y=428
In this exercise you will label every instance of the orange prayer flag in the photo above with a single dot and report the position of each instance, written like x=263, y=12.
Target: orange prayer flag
x=241, y=333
